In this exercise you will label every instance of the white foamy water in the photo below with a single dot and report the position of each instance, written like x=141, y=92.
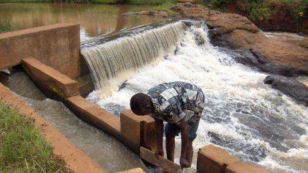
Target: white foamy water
x=242, y=114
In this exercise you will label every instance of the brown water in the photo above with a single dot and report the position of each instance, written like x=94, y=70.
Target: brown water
x=94, y=19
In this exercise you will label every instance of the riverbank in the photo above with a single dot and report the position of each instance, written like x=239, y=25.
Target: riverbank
x=269, y=15
x=22, y=148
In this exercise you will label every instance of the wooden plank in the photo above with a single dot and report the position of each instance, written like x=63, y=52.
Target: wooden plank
x=161, y=162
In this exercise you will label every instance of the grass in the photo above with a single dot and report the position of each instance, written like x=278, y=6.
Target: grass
x=22, y=148
x=166, y=6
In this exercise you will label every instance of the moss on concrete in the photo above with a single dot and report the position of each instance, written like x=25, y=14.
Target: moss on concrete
x=22, y=148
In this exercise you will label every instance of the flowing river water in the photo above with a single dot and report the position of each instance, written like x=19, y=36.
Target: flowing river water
x=243, y=115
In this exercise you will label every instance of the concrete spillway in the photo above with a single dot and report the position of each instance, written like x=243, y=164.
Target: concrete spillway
x=108, y=60
x=109, y=153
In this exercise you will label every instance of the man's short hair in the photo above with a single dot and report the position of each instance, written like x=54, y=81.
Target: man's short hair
x=141, y=104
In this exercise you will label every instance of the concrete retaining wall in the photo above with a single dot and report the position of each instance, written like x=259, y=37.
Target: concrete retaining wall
x=55, y=45
x=212, y=159
x=51, y=81
x=134, y=131
x=137, y=131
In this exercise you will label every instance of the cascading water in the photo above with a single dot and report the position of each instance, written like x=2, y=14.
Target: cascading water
x=108, y=60
x=242, y=114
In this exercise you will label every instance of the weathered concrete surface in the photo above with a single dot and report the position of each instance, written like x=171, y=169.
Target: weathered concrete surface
x=161, y=162
x=238, y=32
x=55, y=45
x=95, y=115
x=137, y=130
x=75, y=160
x=245, y=167
x=214, y=159
x=50, y=80
x=135, y=170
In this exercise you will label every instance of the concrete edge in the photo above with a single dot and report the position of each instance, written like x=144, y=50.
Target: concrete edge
x=51, y=81
x=75, y=160
x=36, y=29
x=94, y=115
x=217, y=160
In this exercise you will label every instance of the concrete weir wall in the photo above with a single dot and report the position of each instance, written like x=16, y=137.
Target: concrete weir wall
x=55, y=45
x=134, y=131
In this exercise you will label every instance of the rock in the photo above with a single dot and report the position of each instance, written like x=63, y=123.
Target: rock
x=289, y=86
x=239, y=33
x=191, y=10
x=249, y=57
x=155, y=13
x=281, y=57
x=186, y=1
x=229, y=22
x=3, y=77
x=199, y=39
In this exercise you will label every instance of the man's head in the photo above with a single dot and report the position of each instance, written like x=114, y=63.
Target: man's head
x=141, y=104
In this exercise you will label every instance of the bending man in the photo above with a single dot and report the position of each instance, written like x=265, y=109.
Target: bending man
x=179, y=104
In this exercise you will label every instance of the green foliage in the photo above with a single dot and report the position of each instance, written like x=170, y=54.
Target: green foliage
x=166, y=6
x=259, y=11
x=150, y=2
x=22, y=148
x=104, y=1
x=5, y=27
x=262, y=10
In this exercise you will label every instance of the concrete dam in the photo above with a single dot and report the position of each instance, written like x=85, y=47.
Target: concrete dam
x=245, y=123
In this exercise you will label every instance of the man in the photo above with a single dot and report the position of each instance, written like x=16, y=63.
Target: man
x=180, y=104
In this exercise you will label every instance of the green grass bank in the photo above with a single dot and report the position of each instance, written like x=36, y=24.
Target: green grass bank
x=22, y=148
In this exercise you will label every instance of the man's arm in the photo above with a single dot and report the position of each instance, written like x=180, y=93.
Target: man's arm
x=159, y=136
x=185, y=141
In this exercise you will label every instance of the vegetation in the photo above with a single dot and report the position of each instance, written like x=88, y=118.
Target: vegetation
x=264, y=10
x=166, y=6
x=22, y=148
x=5, y=25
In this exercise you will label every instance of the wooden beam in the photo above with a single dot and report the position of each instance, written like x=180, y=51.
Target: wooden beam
x=161, y=162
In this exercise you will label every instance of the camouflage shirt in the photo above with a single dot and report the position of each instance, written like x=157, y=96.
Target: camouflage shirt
x=176, y=101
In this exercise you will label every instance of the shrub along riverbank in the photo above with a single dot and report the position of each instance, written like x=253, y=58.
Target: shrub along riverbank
x=277, y=15
x=22, y=148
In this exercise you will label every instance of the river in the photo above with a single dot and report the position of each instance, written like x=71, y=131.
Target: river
x=94, y=19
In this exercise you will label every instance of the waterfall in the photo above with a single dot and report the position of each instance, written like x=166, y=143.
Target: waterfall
x=107, y=60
